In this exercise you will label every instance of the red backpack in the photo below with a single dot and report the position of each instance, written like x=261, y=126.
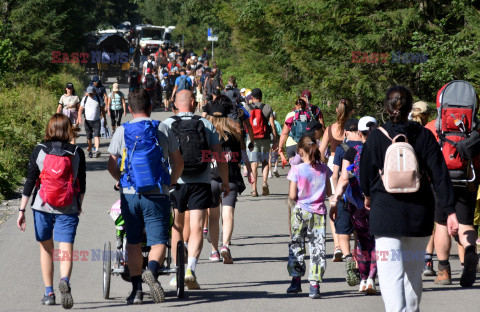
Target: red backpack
x=258, y=121
x=457, y=107
x=58, y=183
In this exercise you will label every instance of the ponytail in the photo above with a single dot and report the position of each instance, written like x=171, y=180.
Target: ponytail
x=344, y=107
x=310, y=147
x=398, y=103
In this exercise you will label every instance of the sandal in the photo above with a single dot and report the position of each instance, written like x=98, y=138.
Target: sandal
x=254, y=194
x=265, y=190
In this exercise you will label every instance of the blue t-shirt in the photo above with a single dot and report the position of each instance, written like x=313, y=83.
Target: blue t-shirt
x=189, y=81
x=339, y=152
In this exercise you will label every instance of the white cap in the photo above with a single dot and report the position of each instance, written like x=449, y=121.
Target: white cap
x=364, y=121
x=243, y=90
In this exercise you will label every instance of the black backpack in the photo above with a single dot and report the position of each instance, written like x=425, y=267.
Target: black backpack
x=134, y=80
x=149, y=82
x=192, y=138
x=150, y=65
x=168, y=84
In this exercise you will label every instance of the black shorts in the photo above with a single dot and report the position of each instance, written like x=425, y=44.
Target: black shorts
x=191, y=196
x=343, y=222
x=229, y=200
x=116, y=117
x=291, y=151
x=465, y=202
x=92, y=126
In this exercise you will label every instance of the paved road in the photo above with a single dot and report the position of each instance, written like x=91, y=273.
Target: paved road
x=256, y=282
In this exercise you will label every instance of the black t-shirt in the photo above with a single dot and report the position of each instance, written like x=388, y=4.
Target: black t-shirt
x=350, y=155
x=208, y=108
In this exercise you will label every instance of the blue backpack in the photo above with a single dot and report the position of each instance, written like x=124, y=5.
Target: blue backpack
x=142, y=164
x=299, y=125
x=182, y=83
x=354, y=194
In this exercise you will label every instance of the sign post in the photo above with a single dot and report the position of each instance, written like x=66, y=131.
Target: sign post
x=211, y=38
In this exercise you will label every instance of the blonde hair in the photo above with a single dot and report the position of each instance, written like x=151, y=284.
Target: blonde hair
x=225, y=125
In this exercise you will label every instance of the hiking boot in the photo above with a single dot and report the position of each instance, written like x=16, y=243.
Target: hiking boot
x=337, y=255
x=314, y=291
x=191, y=280
x=428, y=269
x=295, y=286
x=67, y=299
x=226, y=255
x=214, y=257
x=444, y=275
x=265, y=190
x=48, y=299
x=470, y=269
x=136, y=297
x=352, y=277
x=156, y=289
x=371, y=289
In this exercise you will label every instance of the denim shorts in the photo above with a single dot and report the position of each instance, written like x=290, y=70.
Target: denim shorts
x=151, y=212
x=343, y=222
x=63, y=227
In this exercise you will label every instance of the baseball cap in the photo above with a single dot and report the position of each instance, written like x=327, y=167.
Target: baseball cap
x=69, y=85
x=420, y=107
x=257, y=93
x=90, y=89
x=165, y=75
x=95, y=79
x=243, y=90
x=115, y=87
x=351, y=125
x=219, y=110
x=307, y=94
x=312, y=126
x=365, y=122
x=200, y=59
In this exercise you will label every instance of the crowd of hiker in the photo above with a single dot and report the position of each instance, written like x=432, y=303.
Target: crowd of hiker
x=402, y=188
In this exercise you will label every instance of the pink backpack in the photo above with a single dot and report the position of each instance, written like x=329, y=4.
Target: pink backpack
x=401, y=173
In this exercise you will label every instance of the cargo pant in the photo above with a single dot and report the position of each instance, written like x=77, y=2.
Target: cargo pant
x=309, y=227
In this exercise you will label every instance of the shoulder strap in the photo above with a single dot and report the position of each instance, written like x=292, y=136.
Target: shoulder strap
x=176, y=118
x=251, y=106
x=345, y=146
x=262, y=106
x=395, y=138
x=196, y=117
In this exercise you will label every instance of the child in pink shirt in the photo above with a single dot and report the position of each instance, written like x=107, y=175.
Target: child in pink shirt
x=309, y=188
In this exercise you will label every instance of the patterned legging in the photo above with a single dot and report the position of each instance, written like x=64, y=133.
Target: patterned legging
x=311, y=227
x=365, y=253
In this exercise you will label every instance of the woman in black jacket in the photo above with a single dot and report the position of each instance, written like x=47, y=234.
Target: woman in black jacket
x=402, y=223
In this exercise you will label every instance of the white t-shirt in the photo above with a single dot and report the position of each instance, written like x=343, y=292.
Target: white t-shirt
x=92, y=107
x=69, y=101
x=145, y=64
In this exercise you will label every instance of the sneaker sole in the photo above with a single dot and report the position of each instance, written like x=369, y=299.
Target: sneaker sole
x=370, y=291
x=294, y=291
x=155, y=287
x=352, y=279
x=191, y=282
x=227, y=257
x=67, y=299
x=470, y=271
x=429, y=273
x=316, y=296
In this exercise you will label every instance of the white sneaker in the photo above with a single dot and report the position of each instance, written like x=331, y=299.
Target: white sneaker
x=173, y=282
x=363, y=286
x=269, y=174
x=371, y=289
